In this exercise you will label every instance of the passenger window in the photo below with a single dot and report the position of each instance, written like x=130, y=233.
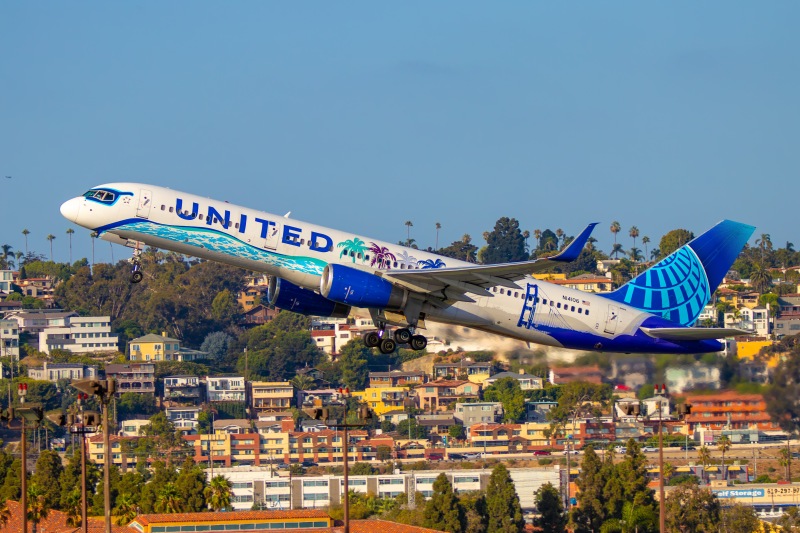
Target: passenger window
x=580, y=311
x=236, y=225
x=170, y=210
x=573, y=309
x=587, y=312
x=544, y=301
x=502, y=291
x=516, y=294
x=163, y=207
x=201, y=216
x=557, y=305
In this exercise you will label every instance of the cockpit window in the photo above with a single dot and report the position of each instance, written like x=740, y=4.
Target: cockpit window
x=101, y=195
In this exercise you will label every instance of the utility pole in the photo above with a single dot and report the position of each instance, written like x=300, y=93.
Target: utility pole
x=32, y=414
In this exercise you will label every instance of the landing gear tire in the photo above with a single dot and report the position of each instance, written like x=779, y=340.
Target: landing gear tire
x=402, y=336
x=387, y=346
x=372, y=339
x=136, y=277
x=418, y=342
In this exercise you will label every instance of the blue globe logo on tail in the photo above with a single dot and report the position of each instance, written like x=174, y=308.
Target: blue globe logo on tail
x=676, y=288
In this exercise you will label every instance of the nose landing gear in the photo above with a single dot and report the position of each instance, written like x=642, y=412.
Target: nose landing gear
x=136, y=273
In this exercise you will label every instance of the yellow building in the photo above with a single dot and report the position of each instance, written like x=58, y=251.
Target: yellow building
x=750, y=349
x=300, y=519
x=121, y=451
x=154, y=347
x=383, y=399
x=534, y=433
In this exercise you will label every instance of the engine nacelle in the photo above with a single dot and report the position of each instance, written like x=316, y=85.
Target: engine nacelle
x=357, y=288
x=288, y=296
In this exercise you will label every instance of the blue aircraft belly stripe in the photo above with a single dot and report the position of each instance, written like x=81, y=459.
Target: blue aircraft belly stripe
x=218, y=241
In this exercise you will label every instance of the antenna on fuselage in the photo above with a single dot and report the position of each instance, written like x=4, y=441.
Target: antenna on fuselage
x=287, y=214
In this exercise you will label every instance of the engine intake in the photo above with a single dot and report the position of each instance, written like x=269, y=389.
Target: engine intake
x=286, y=295
x=355, y=287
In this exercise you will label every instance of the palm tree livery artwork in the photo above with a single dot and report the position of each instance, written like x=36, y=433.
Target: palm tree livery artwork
x=381, y=256
x=431, y=263
x=353, y=248
x=405, y=260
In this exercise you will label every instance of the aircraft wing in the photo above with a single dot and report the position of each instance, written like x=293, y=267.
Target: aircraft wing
x=693, y=334
x=475, y=279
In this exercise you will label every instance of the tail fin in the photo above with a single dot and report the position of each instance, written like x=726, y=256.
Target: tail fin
x=680, y=285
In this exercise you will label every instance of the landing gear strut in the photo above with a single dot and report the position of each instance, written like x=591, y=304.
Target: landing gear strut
x=386, y=344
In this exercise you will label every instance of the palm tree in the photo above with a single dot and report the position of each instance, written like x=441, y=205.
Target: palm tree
x=615, y=228
x=760, y=278
x=169, y=500
x=51, y=238
x=408, y=225
x=126, y=509
x=37, y=505
x=724, y=444
x=73, y=508
x=525, y=235
x=634, y=232
x=617, y=249
x=19, y=255
x=6, y=250
x=93, y=235
x=669, y=471
x=783, y=460
x=26, y=233
x=70, y=231
x=5, y=513
x=537, y=234
x=645, y=241
x=654, y=253
x=438, y=227
x=218, y=493
x=635, y=254
x=704, y=456
x=560, y=235
x=302, y=382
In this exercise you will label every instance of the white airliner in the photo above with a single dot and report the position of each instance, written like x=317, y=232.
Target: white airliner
x=325, y=272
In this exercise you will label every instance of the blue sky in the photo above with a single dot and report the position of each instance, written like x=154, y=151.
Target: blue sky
x=361, y=116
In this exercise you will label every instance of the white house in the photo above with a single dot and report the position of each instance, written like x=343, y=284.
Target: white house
x=85, y=334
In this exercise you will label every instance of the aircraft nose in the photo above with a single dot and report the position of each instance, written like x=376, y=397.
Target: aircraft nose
x=71, y=208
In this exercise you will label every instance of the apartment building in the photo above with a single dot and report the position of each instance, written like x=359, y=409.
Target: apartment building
x=468, y=414
x=464, y=369
x=443, y=394
x=184, y=418
x=728, y=411
x=271, y=396
x=133, y=377
x=526, y=381
x=35, y=321
x=9, y=339
x=396, y=378
x=53, y=372
x=384, y=399
x=88, y=334
x=183, y=390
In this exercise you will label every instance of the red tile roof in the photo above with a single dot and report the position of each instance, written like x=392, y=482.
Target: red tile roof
x=230, y=516
x=56, y=522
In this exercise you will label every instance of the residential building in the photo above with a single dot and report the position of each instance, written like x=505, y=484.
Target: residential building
x=253, y=293
x=226, y=448
x=152, y=347
x=437, y=423
x=132, y=427
x=384, y=399
x=133, y=377
x=85, y=334
x=397, y=378
x=755, y=320
x=728, y=411
x=331, y=340
x=184, y=418
x=225, y=388
x=258, y=316
x=55, y=371
x=633, y=372
x=271, y=396
x=183, y=390
x=39, y=288
x=526, y=381
x=468, y=414
x=443, y=394
x=9, y=339
x=497, y=438
x=586, y=283
x=474, y=371
x=537, y=434
x=309, y=398
x=121, y=451
x=536, y=411
x=6, y=280
x=698, y=376
x=589, y=374
x=236, y=426
x=35, y=321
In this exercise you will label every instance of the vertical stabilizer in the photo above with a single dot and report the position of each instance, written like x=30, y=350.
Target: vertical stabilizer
x=680, y=285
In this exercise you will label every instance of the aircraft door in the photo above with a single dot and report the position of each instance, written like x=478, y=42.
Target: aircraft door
x=145, y=201
x=612, y=318
x=273, y=236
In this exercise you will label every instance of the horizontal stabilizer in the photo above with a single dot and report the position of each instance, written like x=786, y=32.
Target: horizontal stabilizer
x=693, y=334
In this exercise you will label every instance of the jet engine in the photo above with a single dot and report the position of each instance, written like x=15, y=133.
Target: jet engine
x=288, y=296
x=355, y=287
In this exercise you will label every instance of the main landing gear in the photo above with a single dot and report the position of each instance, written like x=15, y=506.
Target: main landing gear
x=136, y=273
x=386, y=344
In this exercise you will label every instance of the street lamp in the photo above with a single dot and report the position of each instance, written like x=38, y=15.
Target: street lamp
x=104, y=390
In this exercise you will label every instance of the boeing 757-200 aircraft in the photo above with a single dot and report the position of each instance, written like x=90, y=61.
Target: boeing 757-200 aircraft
x=325, y=272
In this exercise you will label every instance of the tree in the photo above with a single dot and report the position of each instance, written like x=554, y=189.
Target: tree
x=724, y=444
x=704, y=456
x=508, y=392
x=443, y=511
x=462, y=250
x=783, y=397
x=673, y=240
x=408, y=225
x=616, y=250
x=224, y=307
x=760, y=278
x=51, y=238
x=362, y=469
x=690, y=508
x=456, y=432
x=416, y=431
x=47, y=475
x=738, y=518
x=645, y=242
x=504, y=513
x=169, y=500
x=70, y=232
x=133, y=403
x=551, y=517
x=615, y=228
x=25, y=232
x=505, y=244
x=353, y=363
x=590, y=513
x=438, y=227
x=126, y=509
x=218, y=493
x=634, y=233
x=37, y=505
x=191, y=484
x=216, y=345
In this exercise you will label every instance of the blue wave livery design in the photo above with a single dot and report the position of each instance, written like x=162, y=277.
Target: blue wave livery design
x=680, y=285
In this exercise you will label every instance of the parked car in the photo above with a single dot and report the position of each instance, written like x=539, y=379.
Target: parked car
x=541, y=452
x=435, y=457
x=649, y=449
x=472, y=456
x=308, y=463
x=455, y=456
x=620, y=449
x=688, y=447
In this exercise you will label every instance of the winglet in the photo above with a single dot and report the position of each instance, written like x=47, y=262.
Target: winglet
x=571, y=252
